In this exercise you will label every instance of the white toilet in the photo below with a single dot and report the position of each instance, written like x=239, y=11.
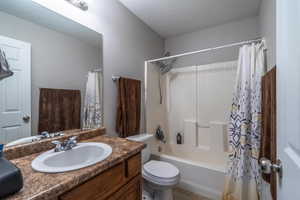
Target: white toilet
x=159, y=177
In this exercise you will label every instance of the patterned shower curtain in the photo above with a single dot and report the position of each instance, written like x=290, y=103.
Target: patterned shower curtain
x=243, y=179
x=92, y=113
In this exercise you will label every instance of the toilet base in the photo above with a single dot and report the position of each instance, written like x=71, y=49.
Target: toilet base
x=146, y=195
x=158, y=195
x=149, y=193
x=163, y=194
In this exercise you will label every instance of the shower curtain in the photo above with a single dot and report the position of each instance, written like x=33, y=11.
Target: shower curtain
x=243, y=179
x=92, y=114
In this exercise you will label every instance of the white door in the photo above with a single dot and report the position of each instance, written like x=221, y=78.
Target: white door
x=288, y=82
x=15, y=91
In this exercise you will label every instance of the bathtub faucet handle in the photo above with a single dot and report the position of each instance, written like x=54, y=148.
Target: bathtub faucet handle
x=160, y=135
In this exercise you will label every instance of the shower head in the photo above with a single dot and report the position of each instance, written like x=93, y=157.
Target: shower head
x=164, y=67
x=167, y=65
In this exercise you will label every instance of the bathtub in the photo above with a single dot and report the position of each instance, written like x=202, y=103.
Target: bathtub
x=200, y=178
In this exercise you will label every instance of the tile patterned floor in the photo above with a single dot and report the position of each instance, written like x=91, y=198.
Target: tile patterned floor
x=180, y=194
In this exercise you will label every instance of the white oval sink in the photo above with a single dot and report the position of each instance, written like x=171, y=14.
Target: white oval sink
x=83, y=155
x=23, y=140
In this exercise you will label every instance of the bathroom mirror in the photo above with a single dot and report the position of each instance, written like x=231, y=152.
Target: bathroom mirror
x=50, y=73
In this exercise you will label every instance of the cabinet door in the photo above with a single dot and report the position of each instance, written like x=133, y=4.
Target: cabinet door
x=99, y=187
x=133, y=166
x=131, y=191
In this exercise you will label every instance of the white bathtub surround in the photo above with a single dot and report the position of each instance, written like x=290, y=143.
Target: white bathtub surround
x=193, y=109
x=243, y=180
x=189, y=133
x=195, y=93
x=211, y=136
x=92, y=113
x=219, y=137
x=197, y=104
x=167, y=93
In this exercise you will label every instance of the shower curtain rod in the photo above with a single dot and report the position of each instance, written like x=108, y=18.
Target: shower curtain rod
x=96, y=70
x=210, y=49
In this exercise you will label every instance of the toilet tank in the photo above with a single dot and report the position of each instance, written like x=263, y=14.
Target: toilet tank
x=146, y=138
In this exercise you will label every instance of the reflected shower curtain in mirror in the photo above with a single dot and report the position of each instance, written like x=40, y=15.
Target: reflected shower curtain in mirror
x=243, y=178
x=4, y=66
x=92, y=114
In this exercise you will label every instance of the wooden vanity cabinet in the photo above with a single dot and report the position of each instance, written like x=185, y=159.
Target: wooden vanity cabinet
x=120, y=182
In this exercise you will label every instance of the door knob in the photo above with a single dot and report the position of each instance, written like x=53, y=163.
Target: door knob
x=267, y=167
x=26, y=118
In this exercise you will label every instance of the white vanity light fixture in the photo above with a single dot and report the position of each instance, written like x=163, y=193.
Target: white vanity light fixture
x=83, y=5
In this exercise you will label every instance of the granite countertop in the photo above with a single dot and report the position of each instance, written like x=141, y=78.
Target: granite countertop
x=44, y=186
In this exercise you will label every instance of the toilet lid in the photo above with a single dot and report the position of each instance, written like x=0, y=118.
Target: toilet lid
x=161, y=169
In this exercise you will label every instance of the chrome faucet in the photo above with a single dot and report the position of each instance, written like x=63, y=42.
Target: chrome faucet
x=58, y=146
x=66, y=145
x=45, y=134
x=70, y=143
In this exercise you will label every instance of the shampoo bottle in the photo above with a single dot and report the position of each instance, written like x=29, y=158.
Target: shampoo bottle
x=179, y=138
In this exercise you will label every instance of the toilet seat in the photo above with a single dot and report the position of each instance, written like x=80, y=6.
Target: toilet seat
x=161, y=173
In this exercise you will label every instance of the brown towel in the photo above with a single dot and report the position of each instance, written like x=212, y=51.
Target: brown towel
x=128, y=107
x=268, y=137
x=59, y=110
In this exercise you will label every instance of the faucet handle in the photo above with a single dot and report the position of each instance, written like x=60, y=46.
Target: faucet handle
x=73, y=138
x=45, y=134
x=56, y=142
x=58, y=145
x=59, y=133
x=71, y=142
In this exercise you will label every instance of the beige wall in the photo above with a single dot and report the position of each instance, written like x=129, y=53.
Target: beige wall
x=267, y=23
x=240, y=30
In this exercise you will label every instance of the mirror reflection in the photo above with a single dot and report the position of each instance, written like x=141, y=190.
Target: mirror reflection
x=50, y=77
